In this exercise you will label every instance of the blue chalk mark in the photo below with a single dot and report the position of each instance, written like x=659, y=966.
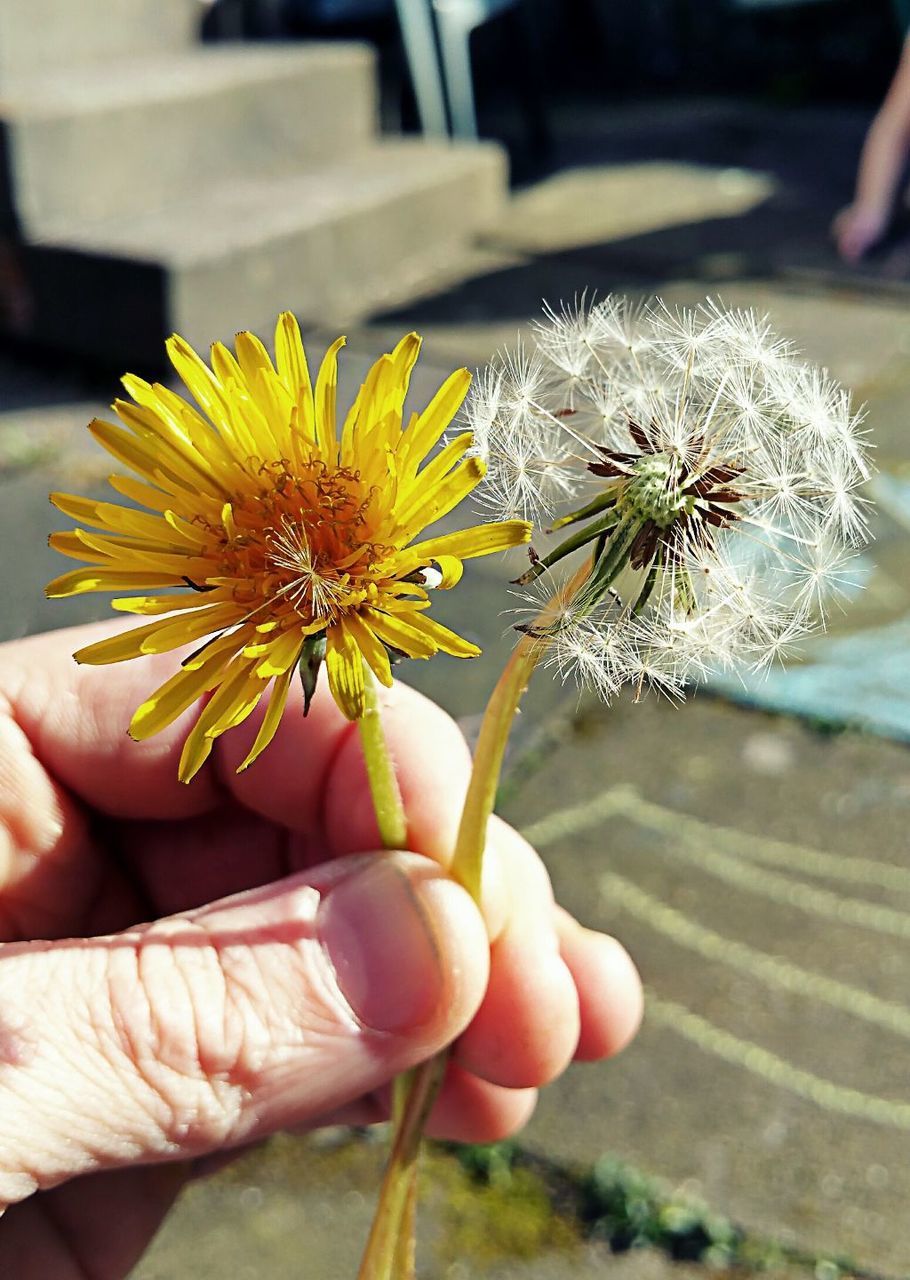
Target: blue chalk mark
x=861, y=680
x=893, y=496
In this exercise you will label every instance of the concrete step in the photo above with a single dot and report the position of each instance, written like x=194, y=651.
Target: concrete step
x=146, y=132
x=326, y=243
x=39, y=34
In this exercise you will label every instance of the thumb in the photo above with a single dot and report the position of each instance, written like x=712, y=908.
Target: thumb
x=211, y=1029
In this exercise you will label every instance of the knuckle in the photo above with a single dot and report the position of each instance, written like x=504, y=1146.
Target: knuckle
x=190, y=1038
x=522, y=864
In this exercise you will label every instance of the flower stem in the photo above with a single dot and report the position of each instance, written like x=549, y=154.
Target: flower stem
x=384, y=789
x=394, y=1247
x=467, y=861
x=389, y=1253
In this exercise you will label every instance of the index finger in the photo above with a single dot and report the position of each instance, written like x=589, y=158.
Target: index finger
x=310, y=780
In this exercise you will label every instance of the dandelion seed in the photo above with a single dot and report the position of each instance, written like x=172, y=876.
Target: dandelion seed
x=527, y=454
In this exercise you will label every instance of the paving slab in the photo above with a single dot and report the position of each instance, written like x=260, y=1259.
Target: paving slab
x=861, y=680
x=597, y=203
x=299, y=1208
x=759, y=874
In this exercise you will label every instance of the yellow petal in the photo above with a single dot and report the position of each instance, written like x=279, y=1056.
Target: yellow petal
x=116, y=519
x=149, y=605
x=398, y=634
x=401, y=604
x=117, y=648
x=146, y=459
x=266, y=390
x=124, y=446
x=344, y=668
x=206, y=621
x=479, y=540
x=251, y=356
x=70, y=543
x=172, y=565
x=272, y=719
x=199, y=380
x=281, y=654
x=188, y=430
x=278, y=409
x=76, y=507
x=426, y=432
x=157, y=418
x=190, y=533
x=428, y=506
x=326, y=392
x=233, y=702
x=243, y=420
x=115, y=548
x=372, y=649
x=441, y=465
x=219, y=646
x=79, y=581
x=145, y=494
x=440, y=636
x=196, y=750
x=175, y=695
x=451, y=569
x=294, y=370
x=156, y=637
x=394, y=379
x=224, y=362
x=360, y=411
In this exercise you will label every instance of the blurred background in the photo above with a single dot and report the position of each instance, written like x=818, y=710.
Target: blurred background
x=379, y=166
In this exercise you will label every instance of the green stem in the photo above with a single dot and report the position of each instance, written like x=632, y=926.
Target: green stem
x=611, y=563
x=393, y=1248
x=389, y=1255
x=604, y=499
x=387, y=802
x=389, y=1252
x=580, y=539
x=404, y=1254
x=650, y=581
x=467, y=861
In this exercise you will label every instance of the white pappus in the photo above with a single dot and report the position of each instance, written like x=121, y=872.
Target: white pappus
x=710, y=475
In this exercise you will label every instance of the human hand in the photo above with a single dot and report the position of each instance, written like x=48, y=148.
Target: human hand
x=857, y=229
x=186, y=970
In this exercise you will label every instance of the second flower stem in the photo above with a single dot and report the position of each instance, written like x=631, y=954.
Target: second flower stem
x=489, y=753
x=389, y=1254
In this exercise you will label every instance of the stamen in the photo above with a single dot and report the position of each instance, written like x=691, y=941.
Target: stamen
x=311, y=590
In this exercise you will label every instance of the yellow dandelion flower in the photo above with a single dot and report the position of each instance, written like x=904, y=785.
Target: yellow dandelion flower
x=288, y=539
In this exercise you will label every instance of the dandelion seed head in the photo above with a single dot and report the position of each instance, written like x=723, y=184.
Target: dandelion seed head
x=720, y=473
x=530, y=458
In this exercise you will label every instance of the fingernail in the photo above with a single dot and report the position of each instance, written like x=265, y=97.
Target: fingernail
x=377, y=930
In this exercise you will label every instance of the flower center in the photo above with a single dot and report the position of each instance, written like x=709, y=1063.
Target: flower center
x=653, y=491
x=303, y=541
